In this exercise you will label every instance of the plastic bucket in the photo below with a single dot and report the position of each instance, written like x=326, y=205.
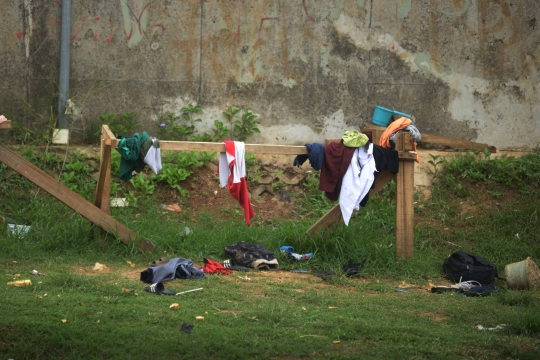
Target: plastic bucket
x=402, y=114
x=522, y=275
x=381, y=116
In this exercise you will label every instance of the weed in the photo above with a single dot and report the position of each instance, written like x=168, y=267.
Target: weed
x=525, y=322
x=246, y=125
x=121, y=125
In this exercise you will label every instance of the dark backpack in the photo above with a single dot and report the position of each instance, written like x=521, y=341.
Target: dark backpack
x=252, y=255
x=461, y=266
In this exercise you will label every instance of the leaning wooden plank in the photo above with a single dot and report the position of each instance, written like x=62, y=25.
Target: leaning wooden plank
x=5, y=125
x=333, y=217
x=72, y=199
x=440, y=140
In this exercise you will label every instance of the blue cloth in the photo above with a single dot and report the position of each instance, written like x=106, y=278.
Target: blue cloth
x=175, y=268
x=315, y=156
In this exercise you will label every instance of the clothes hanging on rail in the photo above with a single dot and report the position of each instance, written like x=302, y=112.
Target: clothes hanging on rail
x=385, y=159
x=152, y=156
x=315, y=155
x=130, y=150
x=337, y=158
x=393, y=128
x=357, y=181
x=232, y=174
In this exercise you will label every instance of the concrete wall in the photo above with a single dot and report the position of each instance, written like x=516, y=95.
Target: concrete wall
x=311, y=68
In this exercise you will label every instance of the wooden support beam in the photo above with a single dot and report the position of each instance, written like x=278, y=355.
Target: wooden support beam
x=5, y=125
x=333, y=217
x=220, y=147
x=439, y=140
x=72, y=199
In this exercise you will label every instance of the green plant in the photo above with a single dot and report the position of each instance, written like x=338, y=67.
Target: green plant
x=122, y=125
x=246, y=125
x=142, y=184
x=173, y=175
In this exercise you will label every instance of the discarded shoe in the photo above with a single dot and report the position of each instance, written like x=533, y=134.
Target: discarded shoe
x=227, y=264
x=325, y=274
x=352, y=269
x=159, y=289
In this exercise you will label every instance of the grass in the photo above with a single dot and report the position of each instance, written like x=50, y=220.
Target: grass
x=278, y=314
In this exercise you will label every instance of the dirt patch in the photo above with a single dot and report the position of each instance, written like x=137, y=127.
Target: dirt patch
x=270, y=201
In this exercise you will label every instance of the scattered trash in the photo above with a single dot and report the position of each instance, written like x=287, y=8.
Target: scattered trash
x=17, y=230
x=498, y=327
x=20, y=283
x=64, y=321
x=336, y=342
x=303, y=308
x=402, y=290
x=130, y=263
x=172, y=207
x=187, y=291
x=215, y=192
x=199, y=318
x=174, y=306
x=245, y=278
x=332, y=307
x=99, y=267
x=35, y=272
x=187, y=231
x=451, y=243
x=119, y=202
x=352, y=269
x=300, y=271
x=186, y=328
x=289, y=250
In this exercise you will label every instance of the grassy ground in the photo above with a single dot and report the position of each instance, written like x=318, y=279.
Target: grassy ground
x=479, y=205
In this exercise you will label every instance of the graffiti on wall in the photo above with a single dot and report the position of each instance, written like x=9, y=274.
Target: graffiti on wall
x=227, y=26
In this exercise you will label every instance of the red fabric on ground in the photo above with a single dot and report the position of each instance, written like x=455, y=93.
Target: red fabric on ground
x=213, y=267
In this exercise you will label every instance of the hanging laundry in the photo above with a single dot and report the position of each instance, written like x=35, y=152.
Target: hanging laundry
x=315, y=155
x=354, y=138
x=337, y=158
x=385, y=159
x=153, y=156
x=357, y=181
x=393, y=128
x=415, y=133
x=232, y=174
x=130, y=149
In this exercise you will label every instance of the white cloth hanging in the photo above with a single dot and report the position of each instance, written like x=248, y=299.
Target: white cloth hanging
x=357, y=181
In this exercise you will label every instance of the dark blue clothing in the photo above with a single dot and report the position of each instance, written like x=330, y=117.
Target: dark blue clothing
x=315, y=155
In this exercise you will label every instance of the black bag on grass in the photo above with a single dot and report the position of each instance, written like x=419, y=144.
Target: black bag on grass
x=461, y=266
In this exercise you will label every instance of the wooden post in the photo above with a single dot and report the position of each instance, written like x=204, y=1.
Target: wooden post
x=102, y=197
x=404, y=201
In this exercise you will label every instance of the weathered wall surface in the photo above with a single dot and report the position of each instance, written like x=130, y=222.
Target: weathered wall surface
x=311, y=68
